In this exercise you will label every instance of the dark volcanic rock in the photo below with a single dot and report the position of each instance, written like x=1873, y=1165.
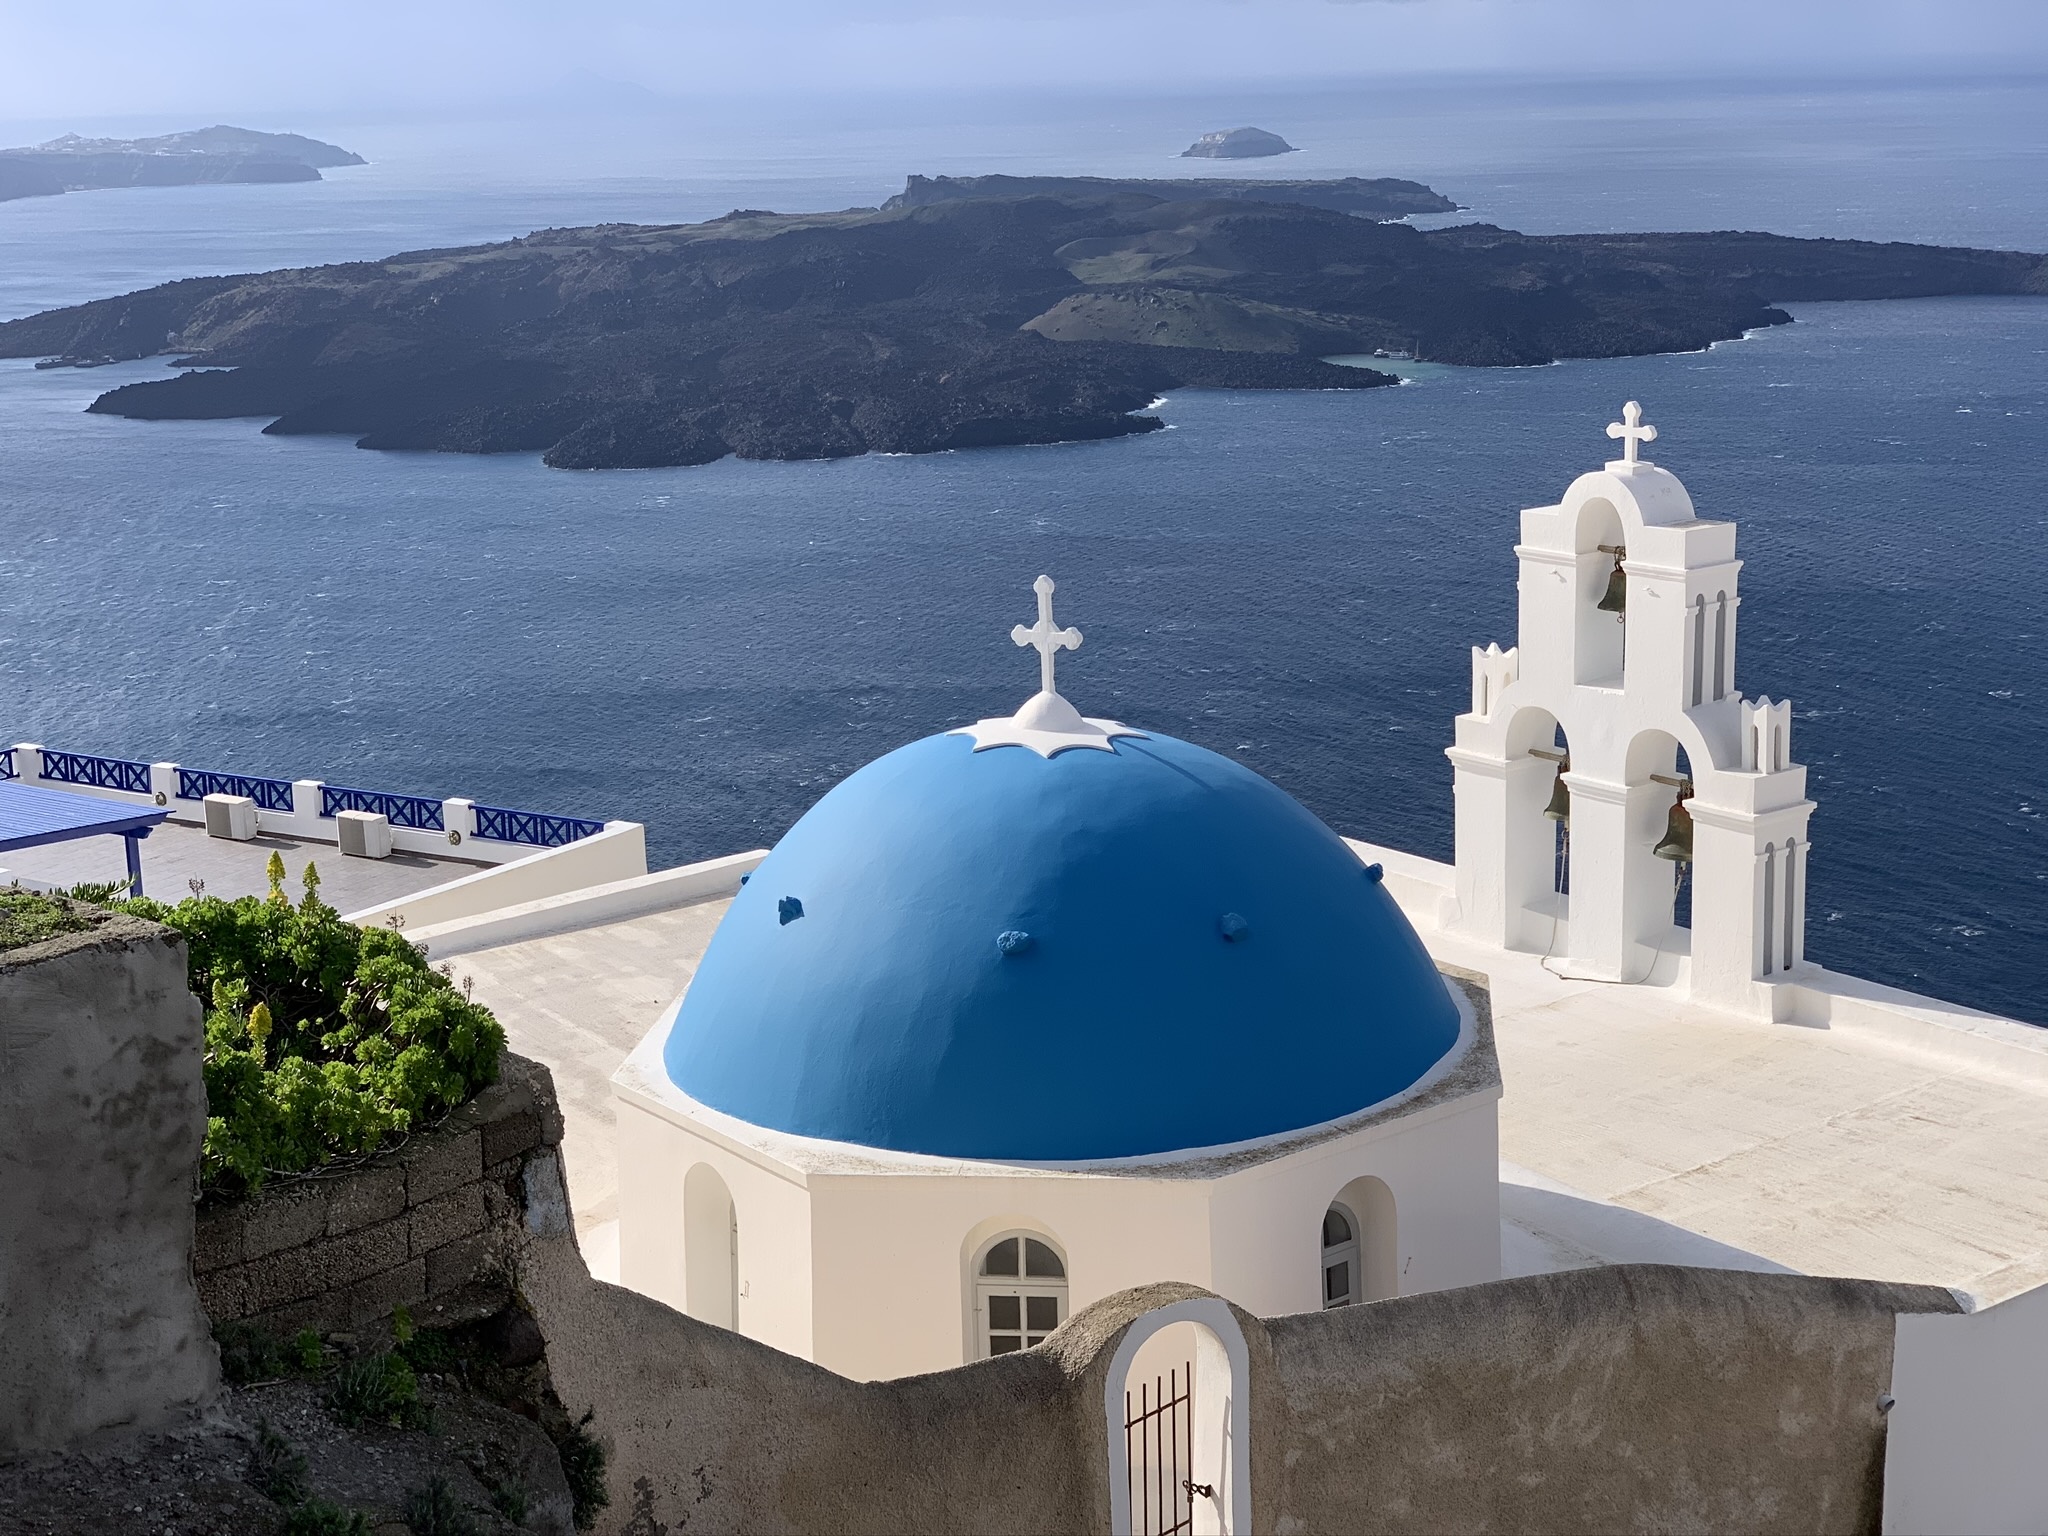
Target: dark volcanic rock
x=1237, y=144
x=639, y=437
x=1379, y=197
x=962, y=322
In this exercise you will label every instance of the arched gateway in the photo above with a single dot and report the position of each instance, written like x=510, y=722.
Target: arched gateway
x=1176, y=1405
x=1627, y=648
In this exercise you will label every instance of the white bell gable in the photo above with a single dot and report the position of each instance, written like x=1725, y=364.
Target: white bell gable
x=1627, y=692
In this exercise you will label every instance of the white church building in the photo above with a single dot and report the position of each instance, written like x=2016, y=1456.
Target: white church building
x=1037, y=1010
x=1049, y=1006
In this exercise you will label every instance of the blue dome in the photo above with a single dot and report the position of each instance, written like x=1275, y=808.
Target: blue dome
x=1100, y=954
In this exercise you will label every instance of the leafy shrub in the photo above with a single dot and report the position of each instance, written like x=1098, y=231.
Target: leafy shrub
x=379, y=1389
x=323, y=1040
x=100, y=892
x=433, y=1510
x=583, y=1462
x=319, y=1517
x=304, y=1351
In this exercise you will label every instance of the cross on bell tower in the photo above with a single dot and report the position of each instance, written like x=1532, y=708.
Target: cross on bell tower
x=1045, y=636
x=1633, y=434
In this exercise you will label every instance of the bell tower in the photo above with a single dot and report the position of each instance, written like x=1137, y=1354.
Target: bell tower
x=1618, y=703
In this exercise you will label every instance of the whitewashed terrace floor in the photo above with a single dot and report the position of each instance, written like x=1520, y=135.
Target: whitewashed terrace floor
x=579, y=1003
x=176, y=854
x=1820, y=1150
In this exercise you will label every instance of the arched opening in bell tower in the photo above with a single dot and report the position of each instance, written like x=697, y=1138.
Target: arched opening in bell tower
x=1599, y=628
x=1660, y=844
x=1538, y=832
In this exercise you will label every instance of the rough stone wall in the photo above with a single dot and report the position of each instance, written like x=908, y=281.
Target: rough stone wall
x=430, y=1225
x=1639, y=1397
x=1621, y=1399
x=102, y=1111
x=708, y=1431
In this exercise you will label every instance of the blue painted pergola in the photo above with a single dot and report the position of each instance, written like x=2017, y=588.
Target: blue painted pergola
x=31, y=816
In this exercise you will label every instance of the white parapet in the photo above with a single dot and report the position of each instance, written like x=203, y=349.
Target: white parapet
x=619, y=852
x=583, y=907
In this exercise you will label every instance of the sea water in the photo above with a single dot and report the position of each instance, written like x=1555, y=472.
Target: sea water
x=1293, y=579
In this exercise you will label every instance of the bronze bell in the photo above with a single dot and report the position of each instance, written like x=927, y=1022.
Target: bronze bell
x=1677, y=844
x=1560, y=807
x=1615, y=598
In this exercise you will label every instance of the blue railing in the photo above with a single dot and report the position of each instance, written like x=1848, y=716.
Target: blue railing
x=7, y=764
x=536, y=827
x=497, y=823
x=270, y=794
x=399, y=810
x=96, y=772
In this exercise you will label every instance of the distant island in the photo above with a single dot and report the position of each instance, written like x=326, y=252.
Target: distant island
x=1056, y=314
x=201, y=155
x=1237, y=144
x=1380, y=197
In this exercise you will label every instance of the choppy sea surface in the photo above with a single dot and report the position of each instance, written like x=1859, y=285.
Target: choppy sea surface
x=1293, y=579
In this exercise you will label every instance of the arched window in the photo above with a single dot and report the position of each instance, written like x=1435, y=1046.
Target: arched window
x=1020, y=1292
x=1340, y=1258
x=1361, y=1254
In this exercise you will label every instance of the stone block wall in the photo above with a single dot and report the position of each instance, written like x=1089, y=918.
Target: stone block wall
x=430, y=1225
x=102, y=1111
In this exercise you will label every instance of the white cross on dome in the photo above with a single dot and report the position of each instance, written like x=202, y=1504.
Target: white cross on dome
x=1047, y=723
x=1049, y=639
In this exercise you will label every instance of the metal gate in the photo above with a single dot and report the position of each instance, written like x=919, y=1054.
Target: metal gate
x=1159, y=1436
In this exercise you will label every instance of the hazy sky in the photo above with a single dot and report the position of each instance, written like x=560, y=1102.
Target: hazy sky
x=214, y=58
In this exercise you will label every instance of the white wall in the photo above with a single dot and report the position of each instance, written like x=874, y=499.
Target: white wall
x=1443, y=1166
x=584, y=906
x=1964, y=1447
x=867, y=1270
x=655, y=1158
x=619, y=852
x=892, y=1253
